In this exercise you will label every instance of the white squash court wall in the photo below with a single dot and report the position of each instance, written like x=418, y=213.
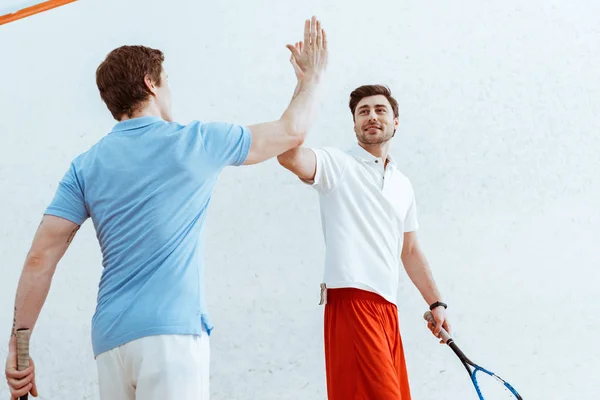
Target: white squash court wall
x=500, y=123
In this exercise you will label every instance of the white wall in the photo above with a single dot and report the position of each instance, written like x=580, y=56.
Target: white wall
x=500, y=118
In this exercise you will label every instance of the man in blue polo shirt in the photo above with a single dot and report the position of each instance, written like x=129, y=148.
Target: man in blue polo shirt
x=146, y=187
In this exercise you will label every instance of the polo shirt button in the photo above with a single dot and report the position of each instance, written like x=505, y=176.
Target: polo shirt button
x=376, y=161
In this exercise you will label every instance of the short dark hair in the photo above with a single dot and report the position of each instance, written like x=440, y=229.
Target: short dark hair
x=120, y=78
x=372, y=90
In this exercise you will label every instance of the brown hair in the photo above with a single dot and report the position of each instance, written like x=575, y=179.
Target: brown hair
x=372, y=90
x=120, y=78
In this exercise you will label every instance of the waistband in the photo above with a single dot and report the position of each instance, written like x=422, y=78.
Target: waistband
x=341, y=294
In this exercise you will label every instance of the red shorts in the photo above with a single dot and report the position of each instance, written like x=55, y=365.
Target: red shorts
x=364, y=357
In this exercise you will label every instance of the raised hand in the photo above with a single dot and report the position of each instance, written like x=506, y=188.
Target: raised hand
x=311, y=57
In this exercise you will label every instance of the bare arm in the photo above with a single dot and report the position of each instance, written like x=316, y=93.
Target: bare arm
x=418, y=270
x=49, y=245
x=301, y=161
x=270, y=139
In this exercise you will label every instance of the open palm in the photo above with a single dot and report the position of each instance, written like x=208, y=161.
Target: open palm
x=310, y=56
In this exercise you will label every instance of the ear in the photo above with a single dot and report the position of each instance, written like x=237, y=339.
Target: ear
x=396, y=122
x=150, y=84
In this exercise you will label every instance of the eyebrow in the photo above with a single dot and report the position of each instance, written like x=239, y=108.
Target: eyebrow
x=376, y=106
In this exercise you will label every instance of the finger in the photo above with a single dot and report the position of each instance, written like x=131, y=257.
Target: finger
x=295, y=53
x=20, y=392
x=34, y=391
x=447, y=327
x=324, y=38
x=301, y=46
x=438, y=328
x=319, y=32
x=313, y=30
x=19, y=374
x=19, y=383
x=307, y=32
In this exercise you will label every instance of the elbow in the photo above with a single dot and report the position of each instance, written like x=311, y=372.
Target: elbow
x=295, y=131
x=34, y=260
x=281, y=159
x=409, y=253
x=288, y=157
x=298, y=139
x=297, y=136
x=37, y=261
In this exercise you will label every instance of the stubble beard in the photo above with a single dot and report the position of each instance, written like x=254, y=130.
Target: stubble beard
x=380, y=138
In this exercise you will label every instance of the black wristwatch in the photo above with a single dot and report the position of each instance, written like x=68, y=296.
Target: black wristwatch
x=437, y=304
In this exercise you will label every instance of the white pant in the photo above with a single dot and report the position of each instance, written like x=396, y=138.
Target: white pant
x=156, y=367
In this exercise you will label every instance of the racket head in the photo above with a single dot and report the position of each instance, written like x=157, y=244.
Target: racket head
x=490, y=386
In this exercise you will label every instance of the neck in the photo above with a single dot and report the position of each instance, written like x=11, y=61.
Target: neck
x=378, y=150
x=148, y=110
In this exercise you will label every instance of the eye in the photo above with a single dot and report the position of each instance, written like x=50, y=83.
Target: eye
x=382, y=110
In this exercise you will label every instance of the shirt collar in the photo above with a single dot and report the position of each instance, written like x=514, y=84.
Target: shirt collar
x=135, y=123
x=358, y=151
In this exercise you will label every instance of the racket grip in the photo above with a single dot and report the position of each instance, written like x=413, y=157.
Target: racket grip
x=23, y=336
x=428, y=316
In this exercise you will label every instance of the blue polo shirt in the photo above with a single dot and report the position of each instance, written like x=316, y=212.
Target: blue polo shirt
x=146, y=187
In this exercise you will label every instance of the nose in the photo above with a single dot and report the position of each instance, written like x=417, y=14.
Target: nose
x=372, y=115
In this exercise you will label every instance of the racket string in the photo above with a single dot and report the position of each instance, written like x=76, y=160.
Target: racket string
x=491, y=388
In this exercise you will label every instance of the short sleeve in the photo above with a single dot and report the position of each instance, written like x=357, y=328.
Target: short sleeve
x=226, y=144
x=331, y=164
x=68, y=199
x=411, y=222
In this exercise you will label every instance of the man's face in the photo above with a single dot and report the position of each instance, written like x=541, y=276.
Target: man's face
x=163, y=97
x=374, y=121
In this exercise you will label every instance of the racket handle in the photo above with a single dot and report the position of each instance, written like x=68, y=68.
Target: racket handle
x=23, y=352
x=445, y=335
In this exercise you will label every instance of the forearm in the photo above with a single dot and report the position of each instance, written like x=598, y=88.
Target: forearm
x=296, y=90
x=301, y=112
x=32, y=291
x=290, y=155
x=418, y=270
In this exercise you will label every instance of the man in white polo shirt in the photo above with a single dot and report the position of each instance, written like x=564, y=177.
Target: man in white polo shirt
x=369, y=219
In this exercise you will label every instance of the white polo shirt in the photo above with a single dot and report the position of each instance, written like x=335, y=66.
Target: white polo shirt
x=365, y=211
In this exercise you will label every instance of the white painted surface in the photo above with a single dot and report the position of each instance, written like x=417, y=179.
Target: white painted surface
x=500, y=121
